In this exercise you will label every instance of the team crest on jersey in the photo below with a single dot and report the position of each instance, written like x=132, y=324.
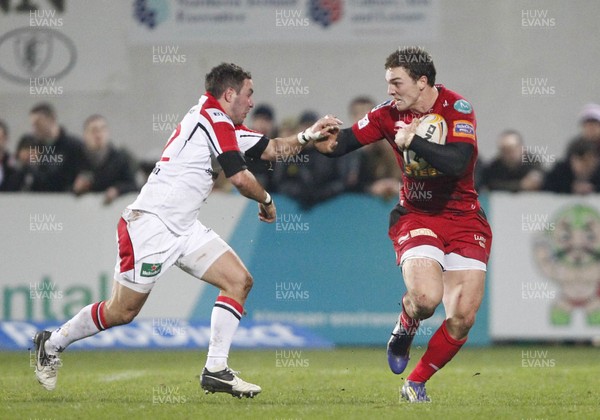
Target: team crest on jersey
x=464, y=128
x=463, y=106
x=216, y=115
x=363, y=122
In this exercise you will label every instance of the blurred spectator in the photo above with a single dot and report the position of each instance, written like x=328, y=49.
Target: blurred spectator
x=105, y=168
x=590, y=123
x=263, y=121
x=55, y=157
x=27, y=171
x=513, y=169
x=579, y=173
x=7, y=165
x=379, y=172
x=310, y=177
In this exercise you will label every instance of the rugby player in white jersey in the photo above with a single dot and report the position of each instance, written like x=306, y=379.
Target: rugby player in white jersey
x=161, y=227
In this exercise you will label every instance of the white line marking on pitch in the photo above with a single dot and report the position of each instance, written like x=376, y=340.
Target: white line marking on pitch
x=128, y=374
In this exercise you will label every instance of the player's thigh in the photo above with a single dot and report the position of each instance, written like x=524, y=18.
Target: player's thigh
x=229, y=274
x=463, y=293
x=125, y=299
x=216, y=263
x=423, y=279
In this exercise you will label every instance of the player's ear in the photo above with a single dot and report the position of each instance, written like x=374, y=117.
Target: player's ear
x=229, y=94
x=422, y=82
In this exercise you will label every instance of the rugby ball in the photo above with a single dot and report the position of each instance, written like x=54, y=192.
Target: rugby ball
x=433, y=128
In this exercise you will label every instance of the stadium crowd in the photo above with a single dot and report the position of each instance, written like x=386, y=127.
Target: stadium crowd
x=50, y=158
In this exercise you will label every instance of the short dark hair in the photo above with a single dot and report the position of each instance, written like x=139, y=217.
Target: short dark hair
x=224, y=76
x=4, y=127
x=264, y=111
x=362, y=100
x=415, y=60
x=581, y=148
x=45, y=109
x=91, y=119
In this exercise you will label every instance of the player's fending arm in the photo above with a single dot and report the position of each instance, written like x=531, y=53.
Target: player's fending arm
x=234, y=166
x=288, y=146
x=338, y=143
x=450, y=159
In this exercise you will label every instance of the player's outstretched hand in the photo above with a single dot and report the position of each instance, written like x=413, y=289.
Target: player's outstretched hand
x=405, y=134
x=325, y=126
x=267, y=213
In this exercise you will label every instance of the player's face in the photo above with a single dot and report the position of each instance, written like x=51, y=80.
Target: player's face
x=403, y=88
x=242, y=102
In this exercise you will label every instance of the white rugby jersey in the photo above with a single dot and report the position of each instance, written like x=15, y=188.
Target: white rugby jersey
x=183, y=177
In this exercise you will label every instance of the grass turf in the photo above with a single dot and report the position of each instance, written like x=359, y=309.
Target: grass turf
x=517, y=382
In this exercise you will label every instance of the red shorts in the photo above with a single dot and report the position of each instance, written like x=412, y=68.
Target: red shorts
x=456, y=241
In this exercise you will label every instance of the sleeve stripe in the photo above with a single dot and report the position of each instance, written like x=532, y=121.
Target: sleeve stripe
x=217, y=149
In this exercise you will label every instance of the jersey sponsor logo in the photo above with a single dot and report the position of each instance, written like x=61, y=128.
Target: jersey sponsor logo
x=463, y=106
x=480, y=239
x=217, y=116
x=150, y=269
x=422, y=232
x=464, y=128
x=363, y=122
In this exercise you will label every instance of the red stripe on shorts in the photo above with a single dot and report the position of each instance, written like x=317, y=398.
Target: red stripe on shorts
x=125, y=247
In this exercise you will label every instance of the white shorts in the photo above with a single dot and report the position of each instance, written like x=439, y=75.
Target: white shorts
x=147, y=248
x=448, y=262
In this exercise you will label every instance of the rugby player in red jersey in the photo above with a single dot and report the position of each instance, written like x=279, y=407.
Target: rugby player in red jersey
x=161, y=229
x=440, y=234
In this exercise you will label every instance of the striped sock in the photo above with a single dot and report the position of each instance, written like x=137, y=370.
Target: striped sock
x=224, y=320
x=89, y=321
x=440, y=350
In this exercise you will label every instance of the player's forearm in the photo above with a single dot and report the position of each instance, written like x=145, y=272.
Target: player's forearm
x=282, y=147
x=249, y=187
x=346, y=143
x=450, y=159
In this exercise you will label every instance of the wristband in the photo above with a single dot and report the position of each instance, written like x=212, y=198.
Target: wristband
x=268, y=200
x=302, y=138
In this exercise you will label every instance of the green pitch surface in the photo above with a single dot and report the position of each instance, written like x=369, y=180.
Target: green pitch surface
x=541, y=382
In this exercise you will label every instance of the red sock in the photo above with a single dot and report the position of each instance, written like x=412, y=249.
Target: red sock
x=409, y=324
x=440, y=350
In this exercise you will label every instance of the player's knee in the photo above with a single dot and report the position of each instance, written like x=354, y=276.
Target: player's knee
x=423, y=306
x=242, y=284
